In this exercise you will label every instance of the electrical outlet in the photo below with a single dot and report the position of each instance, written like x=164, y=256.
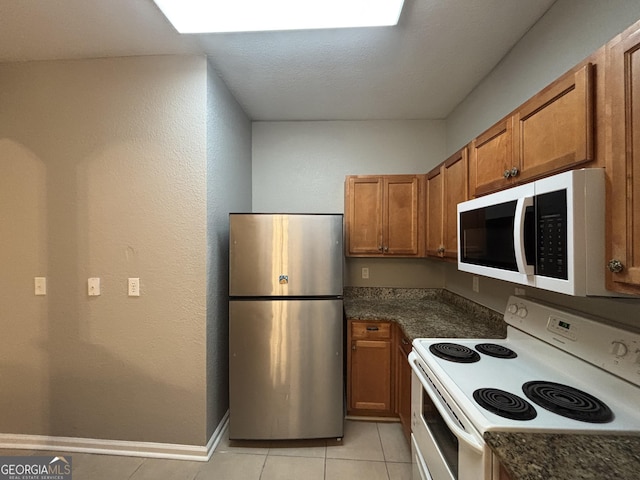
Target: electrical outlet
x=365, y=272
x=476, y=284
x=134, y=287
x=93, y=287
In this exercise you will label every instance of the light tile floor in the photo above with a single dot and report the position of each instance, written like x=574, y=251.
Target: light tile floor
x=368, y=451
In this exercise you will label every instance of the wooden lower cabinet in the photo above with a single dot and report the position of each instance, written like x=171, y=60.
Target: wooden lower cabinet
x=503, y=475
x=369, y=368
x=403, y=381
x=378, y=373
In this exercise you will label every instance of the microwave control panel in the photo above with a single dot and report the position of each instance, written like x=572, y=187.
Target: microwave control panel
x=551, y=233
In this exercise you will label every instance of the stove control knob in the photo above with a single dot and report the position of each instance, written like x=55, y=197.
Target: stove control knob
x=512, y=308
x=619, y=349
x=522, y=312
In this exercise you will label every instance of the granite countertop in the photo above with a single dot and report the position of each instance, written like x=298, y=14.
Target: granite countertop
x=541, y=456
x=424, y=313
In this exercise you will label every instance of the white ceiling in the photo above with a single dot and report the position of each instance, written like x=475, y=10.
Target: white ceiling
x=421, y=68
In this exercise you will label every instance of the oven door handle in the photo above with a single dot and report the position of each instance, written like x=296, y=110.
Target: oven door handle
x=473, y=442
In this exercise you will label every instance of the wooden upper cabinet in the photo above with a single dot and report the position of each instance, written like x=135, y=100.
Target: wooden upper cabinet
x=551, y=132
x=456, y=170
x=401, y=219
x=623, y=163
x=446, y=187
x=363, y=215
x=554, y=129
x=492, y=159
x=435, y=186
x=383, y=215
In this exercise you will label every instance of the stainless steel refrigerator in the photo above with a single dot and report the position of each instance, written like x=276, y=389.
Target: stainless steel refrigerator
x=285, y=326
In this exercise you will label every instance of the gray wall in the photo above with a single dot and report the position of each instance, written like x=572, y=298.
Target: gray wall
x=115, y=168
x=301, y=166
x=228, y=190
x=569, y=32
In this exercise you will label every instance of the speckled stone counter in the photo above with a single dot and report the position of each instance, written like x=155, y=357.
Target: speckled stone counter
x=538, y=456
x=424, y=312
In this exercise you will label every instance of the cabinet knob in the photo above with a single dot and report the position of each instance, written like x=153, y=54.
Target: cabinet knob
x=511, y=173
x=441, y=250
x=615, y=266
x=353, y=346
x=379, y=248
x=386, y=249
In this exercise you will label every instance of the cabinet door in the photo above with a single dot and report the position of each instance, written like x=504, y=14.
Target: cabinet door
x=492, y=159
x=623, y=205
x=434, y=188
x=363, y=215
x=554, y=129
x=456, y=170
x=403, y=383
x=369, y=368
x=402, y=224
x=371, y=375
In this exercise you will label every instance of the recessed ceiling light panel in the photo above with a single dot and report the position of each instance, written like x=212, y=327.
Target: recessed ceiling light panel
x=211, y=16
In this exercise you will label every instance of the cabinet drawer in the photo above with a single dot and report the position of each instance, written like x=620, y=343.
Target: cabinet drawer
x=370, y=330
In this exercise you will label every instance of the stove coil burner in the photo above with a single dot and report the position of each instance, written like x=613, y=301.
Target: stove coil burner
x=454, y=352
x=494, y=350
x=568, y=402
x=504, y=404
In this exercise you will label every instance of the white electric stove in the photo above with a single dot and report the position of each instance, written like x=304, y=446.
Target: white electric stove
x=557, y=371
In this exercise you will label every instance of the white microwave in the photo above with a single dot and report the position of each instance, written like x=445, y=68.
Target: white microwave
x=548, y=234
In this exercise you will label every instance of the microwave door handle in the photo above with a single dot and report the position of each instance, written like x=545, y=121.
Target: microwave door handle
x=462, y=435
x=518, y=235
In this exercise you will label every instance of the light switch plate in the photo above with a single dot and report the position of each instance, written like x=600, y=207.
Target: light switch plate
x=93, y=287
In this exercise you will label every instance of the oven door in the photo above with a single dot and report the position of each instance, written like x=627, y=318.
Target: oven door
x=447, y=446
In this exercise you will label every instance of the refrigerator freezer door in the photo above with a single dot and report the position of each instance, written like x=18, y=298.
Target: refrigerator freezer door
x=285, y=369
x=285, y=255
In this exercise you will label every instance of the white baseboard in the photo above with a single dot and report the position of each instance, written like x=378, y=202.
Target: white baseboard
x=116, y=447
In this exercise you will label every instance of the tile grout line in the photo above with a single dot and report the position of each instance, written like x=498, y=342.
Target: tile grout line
x=139, y=467
x=264, y=463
